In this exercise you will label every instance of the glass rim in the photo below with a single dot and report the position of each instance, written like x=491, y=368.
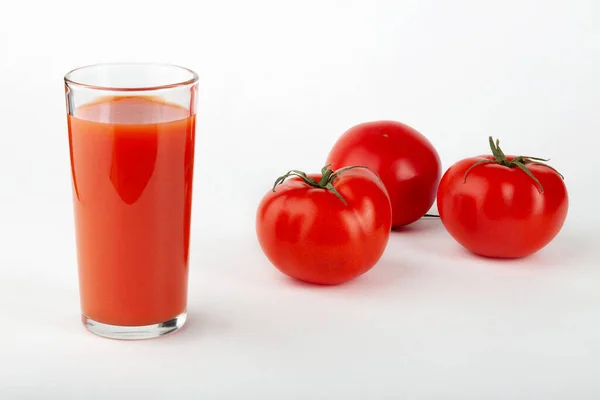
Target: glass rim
x=193, y=77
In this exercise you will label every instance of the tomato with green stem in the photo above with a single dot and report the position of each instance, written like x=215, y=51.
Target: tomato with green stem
x=502, y=206
x=325, y=229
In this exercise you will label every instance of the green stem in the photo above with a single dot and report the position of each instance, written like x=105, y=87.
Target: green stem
x=475, y=165
x=520, y=162
x=528, y=172
x=326, y=182
x=546, y=165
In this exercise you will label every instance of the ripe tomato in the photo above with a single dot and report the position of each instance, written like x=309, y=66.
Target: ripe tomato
x=325, y=229
x=406, y=161
x=502, y=206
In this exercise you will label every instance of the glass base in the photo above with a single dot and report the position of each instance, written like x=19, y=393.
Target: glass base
x=134, y=332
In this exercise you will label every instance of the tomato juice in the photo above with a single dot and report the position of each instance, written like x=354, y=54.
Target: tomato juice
x=132, y=166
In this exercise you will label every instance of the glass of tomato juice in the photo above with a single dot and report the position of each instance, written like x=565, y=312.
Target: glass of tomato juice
x=131, y=137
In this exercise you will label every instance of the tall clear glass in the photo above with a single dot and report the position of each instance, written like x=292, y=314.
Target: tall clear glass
x=131, y=137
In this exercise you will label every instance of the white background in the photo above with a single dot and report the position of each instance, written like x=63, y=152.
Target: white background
x=280, y=81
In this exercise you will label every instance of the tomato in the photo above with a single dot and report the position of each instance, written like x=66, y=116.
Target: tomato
x=325, y=229
x=406, y=161
x=502, y=206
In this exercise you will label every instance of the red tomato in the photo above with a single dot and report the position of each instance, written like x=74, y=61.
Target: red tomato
x=406, y=161
x=325, y=229
x=502, y=206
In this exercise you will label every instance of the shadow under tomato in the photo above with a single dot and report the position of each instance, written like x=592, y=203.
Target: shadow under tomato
x=386, y=273
x=314, y=287
x=288, y=280
x=421, y=225
x=515, y=262
x=390, y=272
x=568, y=250
x=565, y=251
x=452, y=252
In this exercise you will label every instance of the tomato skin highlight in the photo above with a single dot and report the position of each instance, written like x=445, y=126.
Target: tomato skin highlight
x=499, y=211
x=406, y=161
x=309, y=234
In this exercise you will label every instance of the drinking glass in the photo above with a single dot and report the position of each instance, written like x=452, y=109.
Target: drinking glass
x=131, y=137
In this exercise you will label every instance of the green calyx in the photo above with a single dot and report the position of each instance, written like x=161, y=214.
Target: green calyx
x=326, y=181
x=520, y=162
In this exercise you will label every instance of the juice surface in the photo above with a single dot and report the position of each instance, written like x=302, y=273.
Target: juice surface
x=132, y=165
